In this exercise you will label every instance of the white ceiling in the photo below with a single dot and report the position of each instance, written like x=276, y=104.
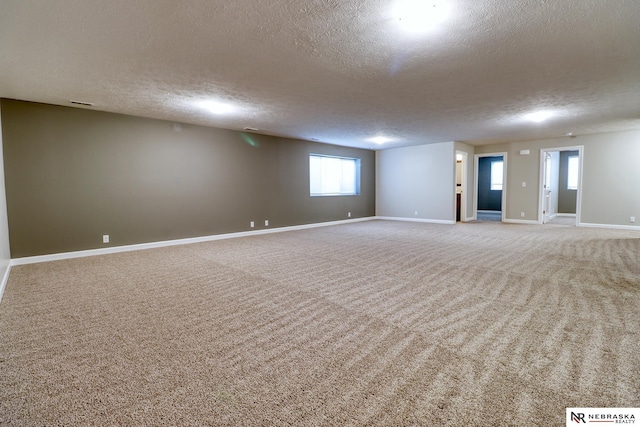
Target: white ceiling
x=340, y=71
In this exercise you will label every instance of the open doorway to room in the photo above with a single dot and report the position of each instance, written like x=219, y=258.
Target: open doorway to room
x=490, y=185
x=560, y=185
x=461, y=186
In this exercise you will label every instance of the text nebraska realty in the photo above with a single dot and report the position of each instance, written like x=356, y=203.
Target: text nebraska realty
x=615, y=418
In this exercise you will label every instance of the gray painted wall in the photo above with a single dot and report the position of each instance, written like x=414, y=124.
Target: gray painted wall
x=73, y=175
x=610, y=176
x=419, y=178
x=5, y=253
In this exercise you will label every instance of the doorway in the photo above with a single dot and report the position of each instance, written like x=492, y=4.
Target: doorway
x=490, y=186
x=460, y=208
x=560, y=185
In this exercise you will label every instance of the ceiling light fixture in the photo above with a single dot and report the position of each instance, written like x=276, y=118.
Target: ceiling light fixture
x=380, y=139
x=218, y=107
x=417, y=16
x=539, y=116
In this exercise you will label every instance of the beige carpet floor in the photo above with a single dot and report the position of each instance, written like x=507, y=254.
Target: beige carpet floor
x=370, y=323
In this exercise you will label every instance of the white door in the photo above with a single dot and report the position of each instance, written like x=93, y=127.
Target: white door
x=546, y=212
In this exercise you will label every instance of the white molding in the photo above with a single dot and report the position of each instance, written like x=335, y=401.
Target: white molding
x=464, y=184
x=566, y=214
x=611, y=226
x=521, y=221
x=470, y=218
x=5, y=279
x=151, y=245
x=431, y=221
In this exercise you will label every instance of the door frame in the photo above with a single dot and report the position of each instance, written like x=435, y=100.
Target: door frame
x=548, y=169
x=503, y=208
x=543, y=152
x=463, y=197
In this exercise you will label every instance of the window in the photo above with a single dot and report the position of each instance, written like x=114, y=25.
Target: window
x=572, y=173
x=496, y=175
x=333, y=176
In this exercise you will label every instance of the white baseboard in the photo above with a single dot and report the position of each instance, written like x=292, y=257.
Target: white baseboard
x=520, y=221
x=142, y=246
x=611, y=226
x=5, y=279
x=566, y=214
x=431, y=221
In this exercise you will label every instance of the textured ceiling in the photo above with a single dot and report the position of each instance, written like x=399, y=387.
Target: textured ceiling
x=339, y=71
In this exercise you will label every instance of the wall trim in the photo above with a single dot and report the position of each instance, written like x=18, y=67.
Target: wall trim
x=5, y=279
x=142, y=246
x=160, y=244
x=165, y=243
x=611, y=226
x=521, y=221
x=431, y=221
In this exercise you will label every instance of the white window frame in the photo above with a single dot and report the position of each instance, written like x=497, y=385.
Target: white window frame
x=573, y=172
x=497, y=178
x=333, y=175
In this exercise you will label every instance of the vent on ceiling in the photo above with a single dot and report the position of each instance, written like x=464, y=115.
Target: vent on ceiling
x=251, y=129
x=86, y=104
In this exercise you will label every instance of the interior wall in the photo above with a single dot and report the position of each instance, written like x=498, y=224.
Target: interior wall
x=567, y=199
x=416, y=182
x=5, y=252
x=73, y=175
x=610, y=176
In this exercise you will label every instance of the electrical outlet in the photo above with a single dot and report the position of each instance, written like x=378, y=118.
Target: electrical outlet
x=266, y=222
x=252, y=224
x=632, y=219
x=105, y=238
x=524, y=184
x=522, y=214
x=348, y=214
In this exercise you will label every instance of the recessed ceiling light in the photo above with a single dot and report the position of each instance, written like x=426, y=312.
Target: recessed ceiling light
x=218, y=107
x=86, y=104
x=417, y=16
x=380, y=139
x=539, y=116
x=251, y=129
